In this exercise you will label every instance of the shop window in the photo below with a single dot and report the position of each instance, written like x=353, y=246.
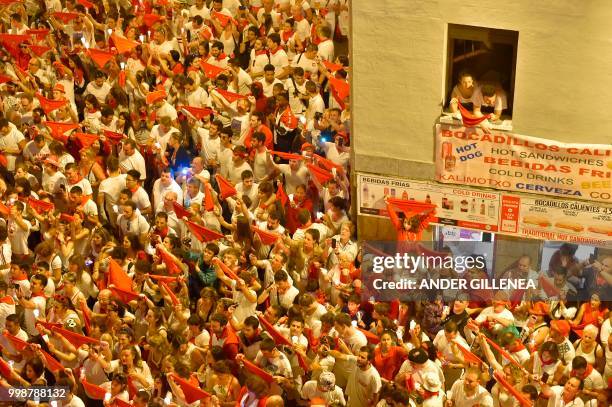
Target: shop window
x=488, y=54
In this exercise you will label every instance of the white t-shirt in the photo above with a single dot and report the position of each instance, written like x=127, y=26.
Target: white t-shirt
x=11, y=142
x=293, y=179
x=210, y=147
x=279, y=59
x=99, y=92
x=310, y=391
x=135, y=226
x=235, y=172
x=482, y=398
x=84, y=184
x=278, y=366
x=555, y=399
x=362, y=384
x=111, y=187
x=501, y=100
x=133, y=162
x=19, y=236
x=29, y=318
x=203, y=12
x=285, y=300
x=326, y=50
x=159, y=191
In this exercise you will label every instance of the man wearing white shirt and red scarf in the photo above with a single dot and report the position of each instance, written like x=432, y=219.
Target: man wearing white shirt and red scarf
x=36, y=305
x=7, y=304
x=564, y=396
x=222, y=334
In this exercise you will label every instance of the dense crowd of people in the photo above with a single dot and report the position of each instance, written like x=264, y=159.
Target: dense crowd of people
x=175, y=227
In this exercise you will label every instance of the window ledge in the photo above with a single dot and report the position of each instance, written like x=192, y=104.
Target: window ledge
x=503, y=125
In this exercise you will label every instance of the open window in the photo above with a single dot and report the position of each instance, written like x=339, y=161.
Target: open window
x=488, y=54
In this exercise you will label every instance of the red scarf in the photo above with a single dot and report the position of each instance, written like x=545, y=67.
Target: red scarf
x=275, y=51
x=587, y=372
x=21, y=277
x=221, y=56
x=429, y=394
x=287, y=35
x=7, y=300
x=517, y=346
x=550, y=362
x=262, y=52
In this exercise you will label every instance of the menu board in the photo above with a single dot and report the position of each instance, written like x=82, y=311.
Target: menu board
x=493, y=211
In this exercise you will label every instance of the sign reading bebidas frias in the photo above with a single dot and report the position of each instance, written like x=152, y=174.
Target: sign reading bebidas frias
x=513, y=162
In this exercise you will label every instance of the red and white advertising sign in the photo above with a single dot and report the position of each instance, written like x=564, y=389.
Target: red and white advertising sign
x=512, y=162
x=493, y=211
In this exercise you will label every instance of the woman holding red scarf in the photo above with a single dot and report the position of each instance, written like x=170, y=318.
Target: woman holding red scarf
x=388, y=357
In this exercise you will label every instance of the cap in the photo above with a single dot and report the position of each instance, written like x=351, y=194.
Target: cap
x=418, y=355
x=327, y=381
x=539, y=308
x=561, y=326
x=431, y=382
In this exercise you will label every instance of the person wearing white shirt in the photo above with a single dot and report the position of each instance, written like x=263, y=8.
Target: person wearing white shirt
x=161, y=132
x=308, y=61
x=165, y=109
x=52, y=180
x=302, y=26
x=259, y=59
x=193, y=193
x=316, y=104
x=211, y=143
x=281, y=292
x=196, y=95
x=269, y=80
x=6, y=251
x=217, y=56
x=296, y=86
x=326, y=46
x=295, y=174
x=12, y=142
x=268, y=8
x=108, y=192
x=240, y=81
x=164, y=184
x=9, y=352
x=564, y=396
x=363, y=383
x=262, y=160
x=132, y=223
x=98, y=87
x=278, y=56
x=468, y=392
x=199, y=9
x=139, y=195
x=18, y=230
x=131, y=159
x=7, y=304
x=238, y=165
x=35, y=306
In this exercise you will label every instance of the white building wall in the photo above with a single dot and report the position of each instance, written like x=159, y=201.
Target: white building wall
x=563, y=86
